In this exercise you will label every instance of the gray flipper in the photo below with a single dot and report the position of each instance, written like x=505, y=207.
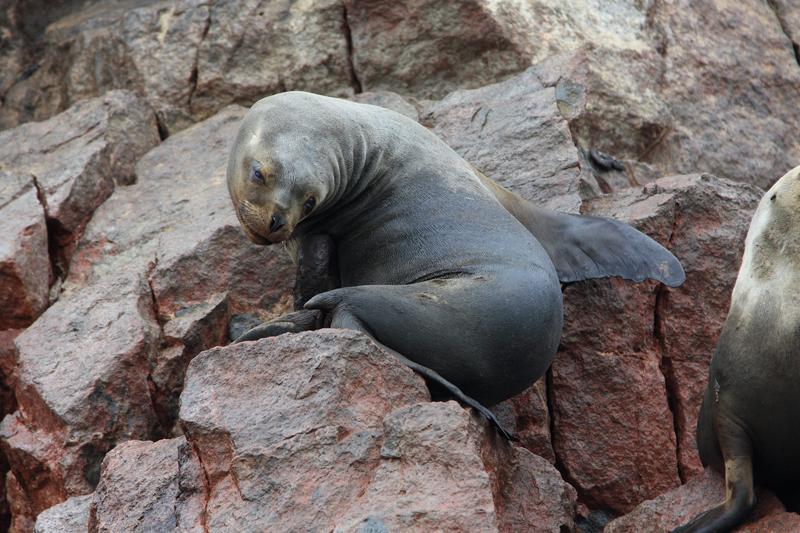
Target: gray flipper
x=587, y=247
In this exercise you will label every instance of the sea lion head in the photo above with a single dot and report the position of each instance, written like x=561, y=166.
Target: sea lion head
x=279, y=172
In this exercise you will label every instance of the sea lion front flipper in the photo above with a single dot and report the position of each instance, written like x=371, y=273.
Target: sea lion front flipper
x=317, y=271
x=739, y=490
x=587, y=247
x=303, y=320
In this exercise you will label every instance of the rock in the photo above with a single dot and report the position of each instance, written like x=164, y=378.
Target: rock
x=72, y=516
x=529, y=493
x=23, y=516
x=653, y=96
x=76, y=158
x=613, y=428
x=389, y=100
x=155, y=278
x=81, y=384
x=291, y=423
x=325, y=430
x=514, y=133
x=528, y=417
x=707, y=490
x=253, y=49
x=188, y=58
x=430, y=477
x=428, y=48
x=8, y=404
x=24, y=258
x=746, y=50
x=149, y=486
x=657, y=358
x=788, y=14
x=711, y=221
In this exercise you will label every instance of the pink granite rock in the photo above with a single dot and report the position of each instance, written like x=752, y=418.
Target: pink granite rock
x=24, y=257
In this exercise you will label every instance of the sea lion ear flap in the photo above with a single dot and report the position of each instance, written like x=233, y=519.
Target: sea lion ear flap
x=587, y=247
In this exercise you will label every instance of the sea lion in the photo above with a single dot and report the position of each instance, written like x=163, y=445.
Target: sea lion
x=447, y=270
x=749, y=423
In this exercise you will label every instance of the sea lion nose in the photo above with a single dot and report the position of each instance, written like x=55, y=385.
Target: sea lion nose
x=276, y=223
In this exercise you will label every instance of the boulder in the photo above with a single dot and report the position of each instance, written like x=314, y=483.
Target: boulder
x=75, y=159
x=428, y=48
x=707, y=490
x=745, y=49
x=22, y=514
x=24, y=257
x=325, y=430
x=614, y=454
x=652, y=94
x=148, y=486
x=708, y=232
x=514, y=133
x=81, y=384
x=188, y=58
x=72, y=516
x=177, y=225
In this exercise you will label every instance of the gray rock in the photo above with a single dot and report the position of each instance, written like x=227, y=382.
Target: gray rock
x=72, y=516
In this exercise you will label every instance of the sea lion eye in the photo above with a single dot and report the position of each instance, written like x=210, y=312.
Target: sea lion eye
x=257, y=176
x=309, y=205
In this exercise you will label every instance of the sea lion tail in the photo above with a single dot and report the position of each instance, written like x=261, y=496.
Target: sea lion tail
x=587, y=247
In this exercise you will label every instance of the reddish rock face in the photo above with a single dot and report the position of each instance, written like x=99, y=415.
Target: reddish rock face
x=326, y=430
x=158, y=274
x=177, y=225
x=707, y=490
x=626, y=365
x=156, y=267
x=81, y=385
x=147, y=486
x=75, y=159
x=391, y=459
x=24, y=258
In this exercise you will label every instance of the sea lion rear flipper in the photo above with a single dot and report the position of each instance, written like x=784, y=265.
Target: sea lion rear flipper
x=587, y=247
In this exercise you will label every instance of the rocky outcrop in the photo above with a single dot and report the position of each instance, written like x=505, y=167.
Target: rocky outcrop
x=121, y=261
x=69, y=165
x=637, y=81
x=105, y=363
x=324, y=430
x=188, y=58
x=514, y=132
x=647, y=346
